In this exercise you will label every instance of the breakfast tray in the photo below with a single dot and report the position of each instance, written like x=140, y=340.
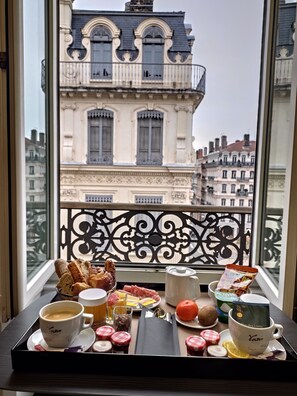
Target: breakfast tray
x=147, y=364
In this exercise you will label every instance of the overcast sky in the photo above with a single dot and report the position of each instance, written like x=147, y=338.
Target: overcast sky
x=228, y=43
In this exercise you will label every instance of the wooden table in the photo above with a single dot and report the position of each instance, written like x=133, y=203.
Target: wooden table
x=96, y=384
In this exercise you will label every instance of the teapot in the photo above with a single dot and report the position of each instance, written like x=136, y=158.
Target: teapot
x=181, y=283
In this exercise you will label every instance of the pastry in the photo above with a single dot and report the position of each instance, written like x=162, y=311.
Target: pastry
x=77, y=287
x=102, y=280
x=76, y=272
x=65, y=284
x=61, y=266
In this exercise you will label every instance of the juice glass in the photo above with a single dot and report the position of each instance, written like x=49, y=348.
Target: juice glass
x=114, y=299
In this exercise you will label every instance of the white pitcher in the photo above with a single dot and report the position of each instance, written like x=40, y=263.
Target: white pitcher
x=181, y=283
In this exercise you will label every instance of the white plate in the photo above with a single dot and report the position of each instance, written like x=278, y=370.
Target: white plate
x=152, y=306
x=194, y=324
x=85, y=339
x=273, y=344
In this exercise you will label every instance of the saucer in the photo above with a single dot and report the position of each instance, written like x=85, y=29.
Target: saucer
x=85, y=340
x=194, y=324
x=273, y=345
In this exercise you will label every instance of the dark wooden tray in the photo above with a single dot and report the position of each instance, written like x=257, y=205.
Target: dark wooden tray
x=150, y=365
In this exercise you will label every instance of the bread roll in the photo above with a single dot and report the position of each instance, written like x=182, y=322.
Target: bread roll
x=76, y=272
x=61, y=267
x=65, y=284
x=103, y=280
x=78, y=287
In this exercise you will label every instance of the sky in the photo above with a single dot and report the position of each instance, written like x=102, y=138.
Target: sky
x=228, y=36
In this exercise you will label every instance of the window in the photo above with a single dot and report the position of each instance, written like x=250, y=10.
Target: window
x=101, y=50
x=99, y=198
x=241, y=188
x=252, y=173
x=232, y=202
x=251, y=188
x=233, y=188
x=243, y=159
x=31, y=184
x=233, y=175
x=153, y=53
x=31, y=170
x=242, y=175
x=250, y=203
x=234, y=159
x=150, y=138
x=225, y=159
x=241, y=202
x=224, y=176
x=252, y=160
x=32, y=198
x=224, y=188
x=100, y=137
x=223, y=202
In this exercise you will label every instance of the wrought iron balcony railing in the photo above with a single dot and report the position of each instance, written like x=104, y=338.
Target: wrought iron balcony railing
x=132, y=75
x=155, y=235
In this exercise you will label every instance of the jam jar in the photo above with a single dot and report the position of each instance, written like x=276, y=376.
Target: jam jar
x=211, y=337
x=120, y=342
x=104, y=332
x=195, y=345
x=102, y=346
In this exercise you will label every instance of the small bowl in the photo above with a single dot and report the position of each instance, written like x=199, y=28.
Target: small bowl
x=211, y=291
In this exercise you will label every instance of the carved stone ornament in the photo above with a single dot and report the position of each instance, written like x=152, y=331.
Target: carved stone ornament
x=178, y=196
x=127, y=56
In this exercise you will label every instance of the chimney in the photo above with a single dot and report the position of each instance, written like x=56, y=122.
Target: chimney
x=211, y=147
x=41, y=138
x=205, y=151
x=139, y=6
x=224, y=142
x=199, y=154
x=33, y=135
x=246, y=140
x=217, y=144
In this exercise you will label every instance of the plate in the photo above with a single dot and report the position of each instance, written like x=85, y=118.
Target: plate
x=194, y=324
x=273, y=344
x=85, y=339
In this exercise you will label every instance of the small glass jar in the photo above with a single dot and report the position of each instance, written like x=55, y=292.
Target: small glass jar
x=104, y=332
x=195, y=345
x=94, y=302
x=120, y=342
x=102, y=346
x=211, y=337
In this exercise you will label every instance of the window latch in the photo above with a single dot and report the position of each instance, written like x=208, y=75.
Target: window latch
x=3, y=60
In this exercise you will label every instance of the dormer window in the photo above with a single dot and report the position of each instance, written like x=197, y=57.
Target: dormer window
x=153, y=53
x=101, y=53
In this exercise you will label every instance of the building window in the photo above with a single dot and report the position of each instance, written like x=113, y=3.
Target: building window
x=152, y=200
x=234, y=159
x=99, y=198
x=32, y=198
x=100, y=137
x=31, y=170
x=153, y=53
x=252, y=160
x=150, y=138
x=233, y=188
x=31, y=185
x=242, y=175
x=252, y=174
x=241, y=202
x=243, y=159
x=232, y=202
x=101, y=53
x=233, y=175
x=224, y=188
x=225, y=159
x=223, y=202
x=224, y=176
x=250, y=203
x=249, y=218
x=251, y=188
x=31, y=154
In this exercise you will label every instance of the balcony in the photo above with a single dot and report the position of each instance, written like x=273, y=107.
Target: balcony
x=283, y=71
x=91, y=75
x=242, y=193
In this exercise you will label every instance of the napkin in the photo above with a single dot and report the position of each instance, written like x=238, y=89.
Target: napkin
x=156, y=336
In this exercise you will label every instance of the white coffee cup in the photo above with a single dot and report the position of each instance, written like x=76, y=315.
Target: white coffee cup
x=61, y=322
x=253, y=340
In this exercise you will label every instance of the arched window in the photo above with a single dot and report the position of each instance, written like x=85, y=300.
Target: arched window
x=100, y=137
x=153, y=53
x=150, y=138
x=101, y=53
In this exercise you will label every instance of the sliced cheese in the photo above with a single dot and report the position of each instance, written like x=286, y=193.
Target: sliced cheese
x=147, y=301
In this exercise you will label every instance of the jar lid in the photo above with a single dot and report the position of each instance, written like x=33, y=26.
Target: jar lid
x=102, y=346
x=195, y=343
x=105, y=332
x=210, y=336
x=92, y=297
x=121, y=338
x=180, y=271
x=217, y=351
